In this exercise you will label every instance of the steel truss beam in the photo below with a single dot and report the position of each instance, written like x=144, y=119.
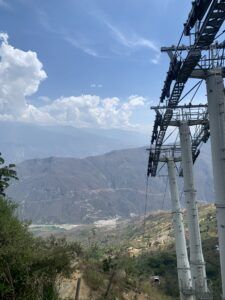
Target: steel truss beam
x=194, y=115
x=179, y=72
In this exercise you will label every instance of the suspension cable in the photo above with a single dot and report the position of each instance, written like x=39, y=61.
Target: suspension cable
x=196, y=85
x=160, y=169
x=200, y=83
x=220, y=34
x=164, y=196
x=169, y=135
x=146, y=202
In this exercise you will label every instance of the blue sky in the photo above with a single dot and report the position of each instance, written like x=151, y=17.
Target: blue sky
x=103, y=48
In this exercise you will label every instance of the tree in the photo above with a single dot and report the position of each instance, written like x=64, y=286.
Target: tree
x=6, y=173
x=29, y=266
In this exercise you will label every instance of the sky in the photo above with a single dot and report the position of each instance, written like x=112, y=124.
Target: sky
x=86, y=63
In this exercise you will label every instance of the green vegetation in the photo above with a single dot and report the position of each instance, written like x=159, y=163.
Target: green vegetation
x=6, y=173
x=140, y=255
x=29, y=267
x=113, y=274
x=115, y=263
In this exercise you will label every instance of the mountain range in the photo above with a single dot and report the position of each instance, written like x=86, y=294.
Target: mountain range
x=72, y=190
x=21, y=141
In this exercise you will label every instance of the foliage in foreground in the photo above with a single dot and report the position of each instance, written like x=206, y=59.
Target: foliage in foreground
x=114, y=274
x=29, y=266
x=6, y=173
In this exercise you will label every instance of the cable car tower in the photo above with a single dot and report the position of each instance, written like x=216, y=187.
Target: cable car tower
x=204, y=59
x=171, y=155
x=185, y=116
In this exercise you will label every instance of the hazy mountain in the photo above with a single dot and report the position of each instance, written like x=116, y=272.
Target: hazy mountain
x=22, y=141
x=69, y=190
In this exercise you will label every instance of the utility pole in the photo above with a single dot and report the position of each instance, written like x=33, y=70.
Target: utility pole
x=183, y=266
x=196, y=256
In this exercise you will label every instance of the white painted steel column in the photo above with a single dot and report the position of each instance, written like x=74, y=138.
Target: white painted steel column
x=197, y=262
x=183, y=267
x=215, y=94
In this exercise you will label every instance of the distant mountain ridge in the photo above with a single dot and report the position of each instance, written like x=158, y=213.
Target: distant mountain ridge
x=70, y=190
x=21, y=141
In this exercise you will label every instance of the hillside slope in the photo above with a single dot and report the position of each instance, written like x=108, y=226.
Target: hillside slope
x=69, y=190
x=138, y=253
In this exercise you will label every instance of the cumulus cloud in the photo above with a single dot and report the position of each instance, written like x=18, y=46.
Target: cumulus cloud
x=136, y=100
x=93, y=111
x=35, y=115
x=20, y=76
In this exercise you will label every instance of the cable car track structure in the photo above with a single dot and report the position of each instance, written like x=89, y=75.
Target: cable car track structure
x=206, y=17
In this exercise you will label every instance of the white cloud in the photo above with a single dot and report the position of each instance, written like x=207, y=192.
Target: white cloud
x=134, y=42
x=44, y=99
x=20, y=76
x=6, y=117
x=156, y=59
x=34, y=114
x=93, y=111
x=82, y=45
x=80, y=42
x=136, y=100
x=94, y=85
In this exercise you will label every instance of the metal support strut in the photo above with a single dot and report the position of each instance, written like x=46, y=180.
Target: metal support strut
x=183, y=267
x=196, y=256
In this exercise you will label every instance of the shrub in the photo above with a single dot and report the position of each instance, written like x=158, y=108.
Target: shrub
x=29, y=266
x=94, y=279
